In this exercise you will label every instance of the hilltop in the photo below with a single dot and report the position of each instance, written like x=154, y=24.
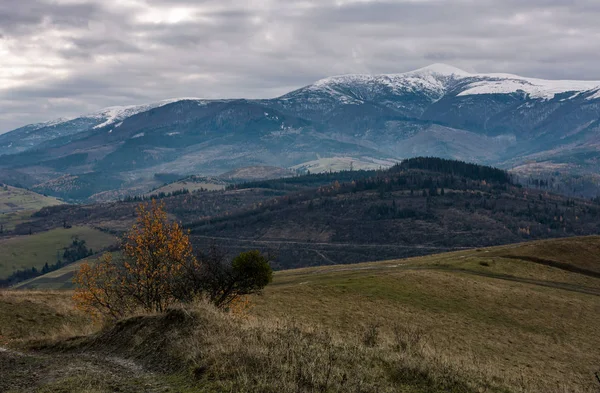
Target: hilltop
x=490, y=319
x=189, y=184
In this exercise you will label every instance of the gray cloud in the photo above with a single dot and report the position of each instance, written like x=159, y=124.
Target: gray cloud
x=67, y=57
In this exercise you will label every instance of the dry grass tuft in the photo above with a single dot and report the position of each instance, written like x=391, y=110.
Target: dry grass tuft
x=226, y=353
x=37, y=315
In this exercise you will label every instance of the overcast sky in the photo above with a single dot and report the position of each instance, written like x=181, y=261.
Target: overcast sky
x=67, y=57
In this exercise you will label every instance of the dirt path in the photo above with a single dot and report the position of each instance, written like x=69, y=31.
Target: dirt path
x=74, y=372
x=329, y=244
x=325, y=257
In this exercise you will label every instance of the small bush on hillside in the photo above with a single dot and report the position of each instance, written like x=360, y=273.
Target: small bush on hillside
x=224, y=281
x=158, y=269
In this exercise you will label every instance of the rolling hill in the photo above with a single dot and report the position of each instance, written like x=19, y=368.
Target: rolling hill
x=422, y=206
x=488, y=319
x=17, y=205
x=191, y=184
x=33, y=251
x=495, y=119
x=419, y=207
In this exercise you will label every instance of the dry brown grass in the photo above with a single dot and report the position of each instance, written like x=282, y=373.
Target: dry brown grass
x=259, y=355
x=527, y=336
x=471, y=321
x=27, y=315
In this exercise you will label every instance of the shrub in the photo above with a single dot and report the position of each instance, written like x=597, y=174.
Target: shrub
x=158, y=269
x=224, y=281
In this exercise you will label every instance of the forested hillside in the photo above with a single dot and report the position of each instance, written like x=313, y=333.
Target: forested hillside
x=420, y=206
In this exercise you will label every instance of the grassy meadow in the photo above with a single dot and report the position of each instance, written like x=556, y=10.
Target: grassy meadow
x=528, y=325
x=35, y=250
x=17, y=205
x=189, y=185
x=501, y=319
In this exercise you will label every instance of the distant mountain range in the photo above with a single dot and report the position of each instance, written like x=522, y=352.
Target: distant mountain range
x=534, y=126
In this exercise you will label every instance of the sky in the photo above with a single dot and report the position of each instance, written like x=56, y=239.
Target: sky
x=62, y=58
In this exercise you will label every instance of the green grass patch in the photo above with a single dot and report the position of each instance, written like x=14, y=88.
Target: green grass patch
x=22, y=252
x=14, y=199
x=17, y=205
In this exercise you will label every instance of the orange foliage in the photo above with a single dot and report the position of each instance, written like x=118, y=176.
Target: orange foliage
x=157, y=269
x=156, y=254
x=98, y=289
x=240, y=306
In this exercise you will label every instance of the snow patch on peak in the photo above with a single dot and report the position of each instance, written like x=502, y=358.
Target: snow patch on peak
x=51, y=123
x=535, y=88
x=336, y=86
x=595, y=96
x=435, y=69
x=57, y=121
x=441, y=69
x=437, y=79
x=115, y=114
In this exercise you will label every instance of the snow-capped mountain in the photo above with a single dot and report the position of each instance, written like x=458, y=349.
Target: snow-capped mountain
x=31, y=136
x=438, y=80
x=440, y=110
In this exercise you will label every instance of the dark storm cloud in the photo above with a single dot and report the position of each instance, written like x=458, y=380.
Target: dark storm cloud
x=66, y=57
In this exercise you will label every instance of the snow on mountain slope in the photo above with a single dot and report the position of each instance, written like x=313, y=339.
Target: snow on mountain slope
x=536, y=88
x=595, y=95
x=108, y=116
x=51, y=123
x=34, y=135
x=336, y=164
x=116, y=114
x=438, y=79
x=431, y=81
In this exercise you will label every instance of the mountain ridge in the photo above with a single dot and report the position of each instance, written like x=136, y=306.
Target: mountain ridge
x=439, y=110
x=116, y=113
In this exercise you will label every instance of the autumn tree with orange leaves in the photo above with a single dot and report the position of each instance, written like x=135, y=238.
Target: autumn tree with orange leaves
x=155, y=254
x=158, y=268
x=99, y=291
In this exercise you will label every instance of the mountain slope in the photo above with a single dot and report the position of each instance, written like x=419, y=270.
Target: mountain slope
x=419, y=207
x=499, y=119
x=32, y=136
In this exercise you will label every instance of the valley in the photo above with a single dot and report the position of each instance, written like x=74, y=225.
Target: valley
x=419, y=207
